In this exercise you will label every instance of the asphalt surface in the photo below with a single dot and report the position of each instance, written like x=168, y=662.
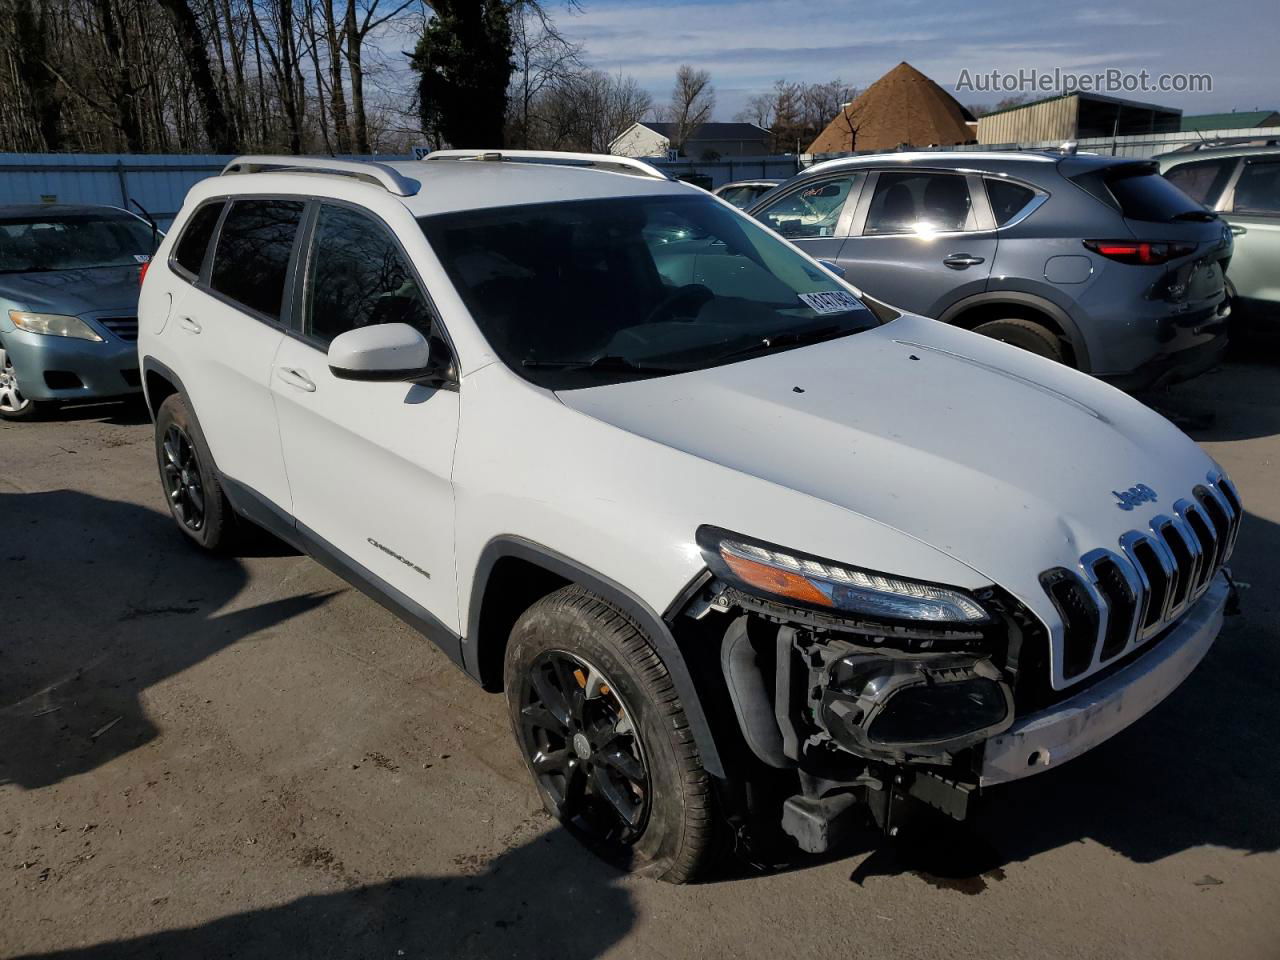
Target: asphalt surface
x=205, y=757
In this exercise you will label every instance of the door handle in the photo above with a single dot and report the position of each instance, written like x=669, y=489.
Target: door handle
x=1237, y=230
x=961, y=261
x=189, y=325
x=297, y=379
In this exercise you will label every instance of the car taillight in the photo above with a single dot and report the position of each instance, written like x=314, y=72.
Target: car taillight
x=142, y=272
x=1140, y=251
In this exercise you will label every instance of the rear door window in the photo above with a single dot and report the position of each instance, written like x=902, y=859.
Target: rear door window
x=919, y=203
x=251, y=262
x=1258, y=190
x=194, y=242
x=811, y=210
x=358, y=277
x=1007, y=199
x=1142, y=194
x=1203, y=180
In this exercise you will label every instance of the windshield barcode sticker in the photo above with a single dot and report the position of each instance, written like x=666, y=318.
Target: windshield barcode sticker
x=834, y=301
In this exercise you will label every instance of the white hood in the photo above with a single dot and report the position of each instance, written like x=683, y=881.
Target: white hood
x=1000, y=459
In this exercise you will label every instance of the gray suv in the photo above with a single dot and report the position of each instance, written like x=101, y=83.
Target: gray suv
x=1242, y=183
x=1098, y=262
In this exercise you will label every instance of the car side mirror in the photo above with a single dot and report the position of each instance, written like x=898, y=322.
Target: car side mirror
x=389, y=352
x=833, y=267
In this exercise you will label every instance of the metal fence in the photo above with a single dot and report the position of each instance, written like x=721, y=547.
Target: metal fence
x=158, y=182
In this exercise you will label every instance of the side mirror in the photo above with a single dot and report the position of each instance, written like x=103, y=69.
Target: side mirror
x=388, y=352
x=833, y=267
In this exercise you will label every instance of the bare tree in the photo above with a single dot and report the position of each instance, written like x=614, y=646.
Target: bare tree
x=692, y=100
x=195, y=52
x=542, y=57
x=758, y=110
x=363, y=17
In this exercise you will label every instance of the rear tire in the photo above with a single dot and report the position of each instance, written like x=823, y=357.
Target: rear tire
x=190, y=483
x=1027, y=334
x=605, y=737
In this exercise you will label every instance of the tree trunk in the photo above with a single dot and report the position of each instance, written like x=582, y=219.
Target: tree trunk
x=30, y=50
x=121, y=92
x=337, y=94
x=355, y=40
x=192, y=44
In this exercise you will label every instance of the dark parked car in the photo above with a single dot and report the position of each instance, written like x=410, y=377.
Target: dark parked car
x=1241, y=183
x=743, y=193
x=1098, y=262
x=68, y=304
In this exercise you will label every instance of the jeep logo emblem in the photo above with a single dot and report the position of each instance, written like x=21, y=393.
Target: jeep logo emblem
x=1134, y=496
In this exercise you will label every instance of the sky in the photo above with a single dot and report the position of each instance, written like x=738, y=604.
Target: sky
x=747, y=45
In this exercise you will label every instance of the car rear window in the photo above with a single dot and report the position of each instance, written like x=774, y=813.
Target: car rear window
x=190, y=251
x=1142, y=194
x=1007, y=199
x=1258, y=190
x=1203, y=180
x=252, y=258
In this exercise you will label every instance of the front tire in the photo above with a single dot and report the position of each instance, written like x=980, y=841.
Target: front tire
x=605, y=737
x=14, y=404
x=191, y=488
x=1027, y=334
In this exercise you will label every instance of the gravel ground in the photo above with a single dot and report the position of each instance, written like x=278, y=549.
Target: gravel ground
x=207, y=757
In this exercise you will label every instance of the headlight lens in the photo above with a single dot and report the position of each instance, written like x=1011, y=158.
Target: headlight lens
x=820, y=583
x=53, y=325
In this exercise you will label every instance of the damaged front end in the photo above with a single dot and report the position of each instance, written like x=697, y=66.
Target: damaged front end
x=868, y=688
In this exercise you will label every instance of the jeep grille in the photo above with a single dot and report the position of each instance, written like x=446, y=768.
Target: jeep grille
x=1115, y=601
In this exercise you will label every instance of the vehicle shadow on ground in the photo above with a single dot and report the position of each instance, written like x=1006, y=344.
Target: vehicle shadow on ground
x=1200, y=769
x=547, y=898
x=131, y=411
x=103, y=599
x=1234, y=401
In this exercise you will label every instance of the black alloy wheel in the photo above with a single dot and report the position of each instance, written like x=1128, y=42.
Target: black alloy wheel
x=180, y=470
x=583, y=747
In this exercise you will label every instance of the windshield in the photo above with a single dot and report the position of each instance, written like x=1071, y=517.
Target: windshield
x=596, y=291
x=72, y=242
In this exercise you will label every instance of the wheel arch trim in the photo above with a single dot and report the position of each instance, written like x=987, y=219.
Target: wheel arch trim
x=1017, y=298
x=656, y=630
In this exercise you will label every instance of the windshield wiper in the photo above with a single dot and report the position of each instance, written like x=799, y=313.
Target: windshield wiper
x=1203, y=216
x=788, y=338
x=607, y=363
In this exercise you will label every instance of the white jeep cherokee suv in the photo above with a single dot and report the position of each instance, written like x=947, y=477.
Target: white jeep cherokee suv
x=742, y=546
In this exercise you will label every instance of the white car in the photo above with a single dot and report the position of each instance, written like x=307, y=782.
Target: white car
x=740, y=545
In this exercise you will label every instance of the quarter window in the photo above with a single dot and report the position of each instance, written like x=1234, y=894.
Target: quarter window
x=251, y=262
x=1258, y=190
x=1007, y=199
x=1203, y=180
x=811, y=211
x=918, y=203
x=358, y=277
x=190, y=251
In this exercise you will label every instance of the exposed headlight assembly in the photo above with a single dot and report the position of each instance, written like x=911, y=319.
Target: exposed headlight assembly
x=53, y=325
x=807, y=581
x=924, y=706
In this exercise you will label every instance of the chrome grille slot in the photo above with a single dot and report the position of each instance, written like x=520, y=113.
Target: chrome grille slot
x=1121, y=599
x=1183, y=562
x=1115, y=601
x=1216, y=510
x=126, y=328
x=1158, y=573
x=1079, y=613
